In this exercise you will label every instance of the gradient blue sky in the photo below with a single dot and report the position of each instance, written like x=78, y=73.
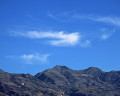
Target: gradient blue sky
x=38, y=34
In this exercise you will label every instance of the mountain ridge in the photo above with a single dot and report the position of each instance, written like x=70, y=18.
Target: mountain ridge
x=61, y=81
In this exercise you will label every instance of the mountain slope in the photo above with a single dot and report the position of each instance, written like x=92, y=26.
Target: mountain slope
x=61, y=81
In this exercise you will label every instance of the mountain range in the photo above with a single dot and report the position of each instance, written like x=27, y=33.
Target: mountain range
x=61, y=81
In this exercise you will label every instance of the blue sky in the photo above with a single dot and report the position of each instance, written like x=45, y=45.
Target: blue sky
x=38, y=34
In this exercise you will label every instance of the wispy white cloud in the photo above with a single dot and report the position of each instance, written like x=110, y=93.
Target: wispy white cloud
x=34, y=58
x=56, y=18
x=64, y=17
x=55, y=38
x=86, y=43
x=108, y=19
x=106, y=33
x=27, y=56
x=105, y=19
x=105, y=36
x=113, y=20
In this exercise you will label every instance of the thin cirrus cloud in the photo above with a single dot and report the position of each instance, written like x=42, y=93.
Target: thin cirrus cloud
x=110, y=20
x=34, y=58
x=54, y=38
x=86, y=43
x=106, y=34
x=113, y=20
x=56, y=18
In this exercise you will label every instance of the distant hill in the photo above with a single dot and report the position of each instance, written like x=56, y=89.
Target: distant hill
x=61, y=81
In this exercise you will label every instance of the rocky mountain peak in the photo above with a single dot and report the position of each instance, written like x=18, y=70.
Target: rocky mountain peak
x=94, y=71
x=58, y=67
